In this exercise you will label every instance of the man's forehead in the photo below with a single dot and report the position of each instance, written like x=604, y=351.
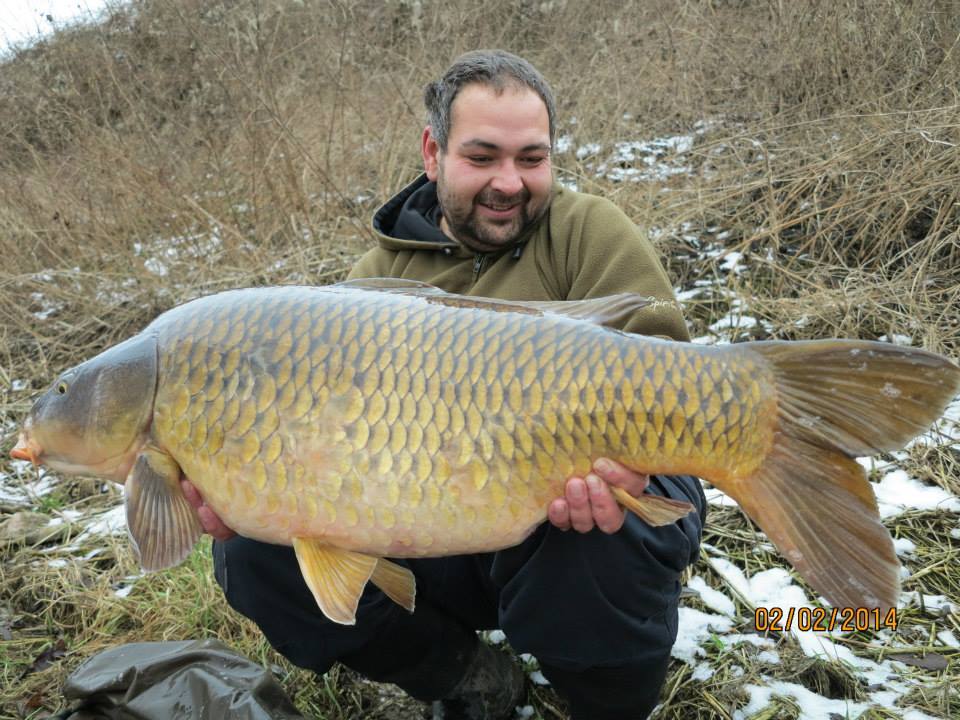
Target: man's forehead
x=478, y=116
x=486, y=92
x=483, y=144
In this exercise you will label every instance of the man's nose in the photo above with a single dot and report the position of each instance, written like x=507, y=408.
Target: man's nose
x=507, y=180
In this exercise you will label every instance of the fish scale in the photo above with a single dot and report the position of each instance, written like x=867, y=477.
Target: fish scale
x=390, y=419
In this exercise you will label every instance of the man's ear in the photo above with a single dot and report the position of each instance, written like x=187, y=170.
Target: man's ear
x=430, y=150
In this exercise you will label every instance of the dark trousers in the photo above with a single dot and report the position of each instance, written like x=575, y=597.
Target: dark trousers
x=598, y=611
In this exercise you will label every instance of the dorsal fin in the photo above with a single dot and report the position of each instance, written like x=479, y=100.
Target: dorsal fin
x=612, y=310
x=385, y=284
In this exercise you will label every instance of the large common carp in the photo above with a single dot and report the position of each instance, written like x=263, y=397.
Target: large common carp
x=390, y=419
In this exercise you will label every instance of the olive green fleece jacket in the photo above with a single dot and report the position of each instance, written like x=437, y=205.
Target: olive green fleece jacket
x=584, y=247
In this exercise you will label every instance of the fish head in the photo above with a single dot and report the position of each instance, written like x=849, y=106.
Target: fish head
x=94, y=418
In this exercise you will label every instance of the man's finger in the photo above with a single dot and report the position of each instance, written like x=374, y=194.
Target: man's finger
x=191, y=493
x=607, y=513
x=213, y=525
x=210, y=522
x=578, y=498
x=559, y=514
x=616, y=474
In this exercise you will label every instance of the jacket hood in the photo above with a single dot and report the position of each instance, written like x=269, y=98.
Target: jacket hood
x=387, y=218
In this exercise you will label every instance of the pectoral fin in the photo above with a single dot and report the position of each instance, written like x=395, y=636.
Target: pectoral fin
x=161, y=523
x=652, y=509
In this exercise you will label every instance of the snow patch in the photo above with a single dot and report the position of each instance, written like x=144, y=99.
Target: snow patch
x=897, y=493
x=695, y=628
x=812, y=706
x=904, y=547
x=713, y=599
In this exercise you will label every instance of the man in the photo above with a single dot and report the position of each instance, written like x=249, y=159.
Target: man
x=597, y=606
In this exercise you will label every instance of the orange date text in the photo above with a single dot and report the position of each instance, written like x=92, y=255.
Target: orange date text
x=844, y=619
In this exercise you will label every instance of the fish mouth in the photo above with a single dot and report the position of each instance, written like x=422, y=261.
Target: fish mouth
x=25, y=450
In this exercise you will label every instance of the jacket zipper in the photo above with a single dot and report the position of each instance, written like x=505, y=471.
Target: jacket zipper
x=478, y=266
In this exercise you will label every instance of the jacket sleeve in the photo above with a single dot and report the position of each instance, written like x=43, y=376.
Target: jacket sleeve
x=688, y=489
x=608, y=254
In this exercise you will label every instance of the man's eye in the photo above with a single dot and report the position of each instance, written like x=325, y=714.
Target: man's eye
x=479, y=159
x=531, y=161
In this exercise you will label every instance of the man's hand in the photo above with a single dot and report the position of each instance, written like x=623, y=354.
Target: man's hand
x=209, y=520
x=588, y=502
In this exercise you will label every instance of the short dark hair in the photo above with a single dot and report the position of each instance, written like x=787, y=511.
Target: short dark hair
x=496, y=68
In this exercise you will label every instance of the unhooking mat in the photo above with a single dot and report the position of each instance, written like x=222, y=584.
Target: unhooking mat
x=188, y=680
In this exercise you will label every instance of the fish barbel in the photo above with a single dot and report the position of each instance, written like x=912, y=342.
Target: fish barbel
x=388, y=418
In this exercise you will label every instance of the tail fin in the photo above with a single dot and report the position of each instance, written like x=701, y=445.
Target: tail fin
x=859, y=397
x=838, y=400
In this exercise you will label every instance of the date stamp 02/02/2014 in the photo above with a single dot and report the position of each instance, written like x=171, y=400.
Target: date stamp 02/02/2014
x=818, y=619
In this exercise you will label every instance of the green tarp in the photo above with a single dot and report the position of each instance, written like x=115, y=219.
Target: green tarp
x=189, y=680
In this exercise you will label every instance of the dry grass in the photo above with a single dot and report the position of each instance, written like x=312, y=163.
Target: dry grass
x=187, y=146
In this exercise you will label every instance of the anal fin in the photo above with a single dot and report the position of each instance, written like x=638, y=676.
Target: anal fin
x=654, y=510
x=162, y=525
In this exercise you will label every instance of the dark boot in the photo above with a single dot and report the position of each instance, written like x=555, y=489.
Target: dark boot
x=491, y=688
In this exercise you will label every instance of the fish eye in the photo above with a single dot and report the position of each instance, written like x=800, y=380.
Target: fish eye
x=63, y=384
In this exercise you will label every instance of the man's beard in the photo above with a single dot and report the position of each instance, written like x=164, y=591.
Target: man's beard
x=485, y=235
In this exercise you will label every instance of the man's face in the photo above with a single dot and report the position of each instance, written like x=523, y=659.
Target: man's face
x=494, y=179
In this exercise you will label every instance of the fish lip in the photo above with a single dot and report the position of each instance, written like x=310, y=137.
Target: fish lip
x=25, y=450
